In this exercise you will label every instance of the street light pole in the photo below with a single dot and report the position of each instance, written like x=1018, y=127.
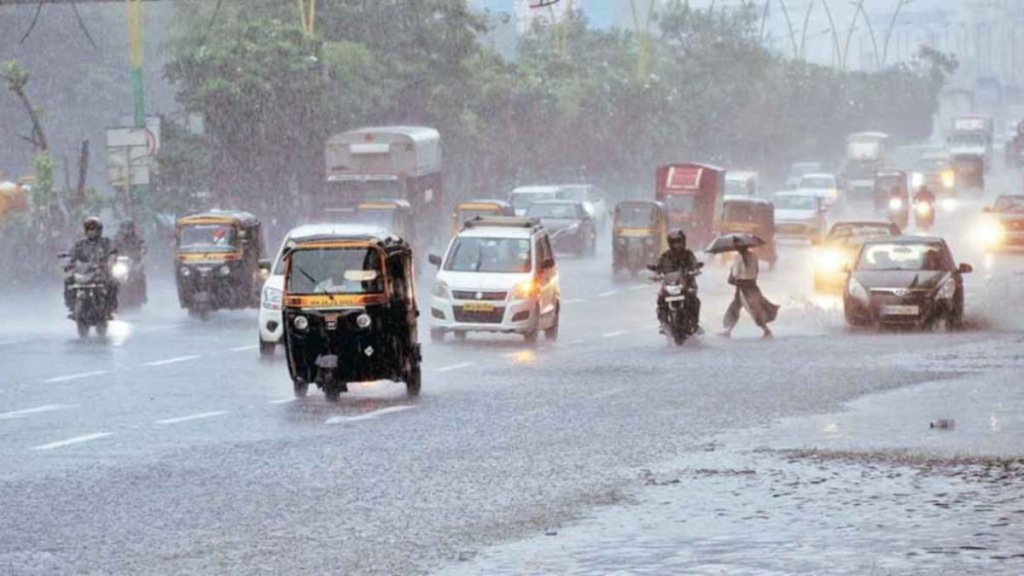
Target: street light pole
x=892, y=24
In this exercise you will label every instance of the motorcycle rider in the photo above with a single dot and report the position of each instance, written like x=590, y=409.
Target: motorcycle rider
x=678, y=259
x=128, y=243
x=924, y=194
x=97, y=250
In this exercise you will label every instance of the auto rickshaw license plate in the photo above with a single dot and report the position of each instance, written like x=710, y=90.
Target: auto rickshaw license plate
x=478, y=307
x=901, y=310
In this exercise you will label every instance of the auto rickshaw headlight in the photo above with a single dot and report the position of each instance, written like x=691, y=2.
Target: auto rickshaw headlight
x=301, y=322
x=225, y=270
x=185, y=272
x=364, y=321
x=895, y=204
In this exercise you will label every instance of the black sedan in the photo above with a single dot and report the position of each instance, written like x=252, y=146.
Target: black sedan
x=569, y=223
x=908, y=281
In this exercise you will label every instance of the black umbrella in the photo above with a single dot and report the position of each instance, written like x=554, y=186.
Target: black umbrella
x=733, y=242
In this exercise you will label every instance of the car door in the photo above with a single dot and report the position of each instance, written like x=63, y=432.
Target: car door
x=547, y=276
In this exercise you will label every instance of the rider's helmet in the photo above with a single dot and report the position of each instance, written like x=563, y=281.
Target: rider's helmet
x=677, y=240
x=93, y=227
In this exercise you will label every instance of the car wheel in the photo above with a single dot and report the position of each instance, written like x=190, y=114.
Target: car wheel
x=267, y=349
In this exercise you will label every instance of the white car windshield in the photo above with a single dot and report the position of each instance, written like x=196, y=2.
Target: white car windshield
x=499, y=255
x=564, y=211
x=795, y=203
x=523, y=200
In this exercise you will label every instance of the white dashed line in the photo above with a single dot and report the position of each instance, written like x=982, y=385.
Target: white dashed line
x=608, y=294
x=609, y=393
x=75, y=440
x=615, y=334
x=515, y=354
x=368, y=415
x=191, y=417
x=571, y=343
x=76, y=376
x=173, y=360
x=455, y=367
x=572, y=301
x=13, y=342
x=36, y=410
x=284, y=400
x=245, y=348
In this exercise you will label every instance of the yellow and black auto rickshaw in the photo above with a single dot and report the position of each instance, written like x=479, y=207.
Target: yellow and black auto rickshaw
x=639, y=235
x=470, y=209
x=395, y=216
x=220, y=261
x=753, y=215
x=349, y=312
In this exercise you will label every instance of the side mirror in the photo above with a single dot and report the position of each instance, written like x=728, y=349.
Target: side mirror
x=434, y=259
x=966, y=268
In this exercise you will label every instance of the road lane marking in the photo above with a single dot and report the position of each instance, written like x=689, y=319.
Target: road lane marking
x=572, y=301
x=36, y=410
x=608, y=294
x=456, y=367
x=615, y=334
x=638, y=287
x=368, y=415
x=173, y=360
x=570, y=343
x=76, y=376
x=13, y=342
x=609, y=393
x=191, y=417
x=75, y=440
x=158, y=328
x=284, y=400
x=245, y=348
x=515, y=354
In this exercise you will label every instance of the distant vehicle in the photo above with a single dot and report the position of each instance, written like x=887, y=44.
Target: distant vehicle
x=270, y=329
x=394, y=216
x=570, y=225
x=971, y=143
x=892, y=195
x=825, y=186
x=466, y=211
x=799, y=215
x=969, y=173
x=592, y=202
x=905, y=281
x=936, y=172
x=742, y=183
x=693, y=196
x=866, y=154
x=797, y=170
x=639, y=235
x=840, y=248
x=498, y=275
x=523, y=196
x=386, y=163
x=754, y=215
x=1003, y=226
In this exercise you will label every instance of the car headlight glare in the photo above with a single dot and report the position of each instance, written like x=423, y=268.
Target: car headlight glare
x=363, y=321
x=526, y=290
x=301, y=322
x=895, y=204
x=830, y=260
x=272, y=298
x=856, y=290
x=991, y=233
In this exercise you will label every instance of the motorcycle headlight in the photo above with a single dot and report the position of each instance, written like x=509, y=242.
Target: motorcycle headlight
x=948, y=204
x=923, y=209
x=856, y=290
x=673, y=289
x=119, y=271
x=185, y=271
x=895, y=204
x=830, y=260
x=224, y=270
x=948, y=179
x=440, y=290
x=272, y=298
x=301, y=322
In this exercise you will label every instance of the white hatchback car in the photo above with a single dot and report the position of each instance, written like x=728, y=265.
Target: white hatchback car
x=825, y=186
x=498, y=275
x=270, y=327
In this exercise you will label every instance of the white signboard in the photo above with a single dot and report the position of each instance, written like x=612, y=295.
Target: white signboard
x=130, y=155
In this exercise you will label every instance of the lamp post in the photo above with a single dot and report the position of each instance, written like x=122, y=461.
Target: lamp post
x=892, y=23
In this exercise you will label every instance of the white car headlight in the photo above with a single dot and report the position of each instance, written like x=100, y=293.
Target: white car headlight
x=225, y=270
x=272, y=298
x=856, y=290
x=895, y=204
x=830, y=260
x=185, y=271
x=440, y=290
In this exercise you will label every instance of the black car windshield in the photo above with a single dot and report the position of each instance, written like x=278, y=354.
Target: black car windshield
x=500, y=255
x=1009, y=204
x=557, y=211
x=634, y=216
x=207, y=238
x=898, y=256
x=335, y=271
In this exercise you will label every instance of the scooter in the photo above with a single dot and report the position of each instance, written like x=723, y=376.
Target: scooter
x=924, y=215
x=679, y=292
x=131, y=276
x=88, y=297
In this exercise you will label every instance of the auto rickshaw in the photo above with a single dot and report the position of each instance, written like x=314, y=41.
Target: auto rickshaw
x=220, y=257
x=639, y=235
x=470, y=209
x=349, y=311
x=395, y=216
x=753, y=215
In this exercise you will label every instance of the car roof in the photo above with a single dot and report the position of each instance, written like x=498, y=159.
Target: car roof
x=557, y=201
x=536, y=189
x=818, y=175
x=906, y=240
x=496, y=232
x=335, y=229
x=740, y=175
x=804, y=193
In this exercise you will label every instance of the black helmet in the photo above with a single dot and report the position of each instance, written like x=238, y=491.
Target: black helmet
x=93, y=223
x=677, y=239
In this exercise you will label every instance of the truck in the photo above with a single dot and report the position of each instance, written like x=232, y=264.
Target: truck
x=866, y=154
x=970, y=144
x=693, y=195
x=387, y=163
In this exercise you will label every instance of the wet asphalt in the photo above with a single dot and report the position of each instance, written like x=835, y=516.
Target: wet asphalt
x=171, y=447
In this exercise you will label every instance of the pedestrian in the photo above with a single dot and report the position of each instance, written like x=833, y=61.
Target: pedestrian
x=743, y=276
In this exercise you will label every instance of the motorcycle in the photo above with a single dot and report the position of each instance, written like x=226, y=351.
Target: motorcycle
x=131, y=276
x=88, y=297
x=924, y=215
x=679, y=291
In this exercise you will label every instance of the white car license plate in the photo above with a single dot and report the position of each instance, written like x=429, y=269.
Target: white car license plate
x=901, y=310
x=675, y=298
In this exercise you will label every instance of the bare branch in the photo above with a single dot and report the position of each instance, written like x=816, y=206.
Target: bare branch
x=35, y=19
x=81, y=24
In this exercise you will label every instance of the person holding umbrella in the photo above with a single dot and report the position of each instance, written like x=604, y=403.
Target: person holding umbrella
x=743, y=275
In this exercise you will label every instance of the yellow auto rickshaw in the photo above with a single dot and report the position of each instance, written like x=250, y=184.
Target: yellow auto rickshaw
x=753, y=215
x=470, y=209
x=395, y=216
x=639, y=235
x=349, y=312
x=220, y=261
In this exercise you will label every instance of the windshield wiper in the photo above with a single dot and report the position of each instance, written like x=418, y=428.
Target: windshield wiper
x=313, y=281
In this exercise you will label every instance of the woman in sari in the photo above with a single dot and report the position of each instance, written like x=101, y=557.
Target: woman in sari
x=743, y=276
